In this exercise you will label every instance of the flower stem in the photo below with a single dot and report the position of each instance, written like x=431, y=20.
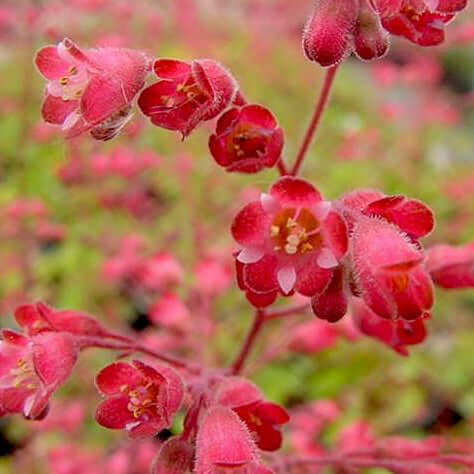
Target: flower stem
x=132, y=347
x=313, y=125
x=286, y=311
x=282, y=167
x=258, y=321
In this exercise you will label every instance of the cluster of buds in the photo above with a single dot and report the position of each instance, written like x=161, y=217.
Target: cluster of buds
x=338, y=28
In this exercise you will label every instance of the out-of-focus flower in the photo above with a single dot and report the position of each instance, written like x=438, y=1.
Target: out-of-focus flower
x=451, y=266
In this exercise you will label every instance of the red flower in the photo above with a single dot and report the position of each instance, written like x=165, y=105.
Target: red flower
x=386, y=259
x=337, y=28
x=247, y=139
x=259, y=416
x=187, y=94
x=420, y=21
x=450, y=266
x=292, y=241
x=224, y=445
x=31, y=369
x=140, y=399
x=92, y=89
x=397, y=334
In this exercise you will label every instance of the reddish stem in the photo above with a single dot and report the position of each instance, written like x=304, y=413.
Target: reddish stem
x=282, y=167
x=285, y=311
x=258, y=321
x=132, y=347
x=313, y=125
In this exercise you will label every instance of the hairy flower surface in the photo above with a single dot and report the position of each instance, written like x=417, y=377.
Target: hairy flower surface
x=247, y=139
x=292, y=241
x=140, y=398
x=31, y=369
x=90, y=90
x=260, y=417
x=337, y=28
x=187, y=93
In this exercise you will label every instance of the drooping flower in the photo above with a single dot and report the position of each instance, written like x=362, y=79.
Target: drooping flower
x=386, y=259
x=247, y=139
x=397, y=334
x=337, y=28
x=140, y=398
x=260, y=417
x=31, y=369
x=90, y=90
x=225, y=445
x=187, y=93
x=292, y=241
x=451, y=266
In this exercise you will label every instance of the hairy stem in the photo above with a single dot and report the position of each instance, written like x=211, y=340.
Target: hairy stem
x=315, y=119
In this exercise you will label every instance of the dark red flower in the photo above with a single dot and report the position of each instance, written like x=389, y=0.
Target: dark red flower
x=187, y=94
x=247, y=139
x=140, y=398
x=292, y=241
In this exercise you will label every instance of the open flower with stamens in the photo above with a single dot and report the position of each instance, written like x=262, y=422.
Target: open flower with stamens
x=90, y=90
x=247, y=139
x=187, y=93
x=140, y=398
x=292, y=241
x=31, y=369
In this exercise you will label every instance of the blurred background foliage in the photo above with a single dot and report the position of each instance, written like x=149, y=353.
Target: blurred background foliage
x=402, y=125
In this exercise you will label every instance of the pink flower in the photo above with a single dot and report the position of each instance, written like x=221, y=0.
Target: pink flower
x=260, y=417
x=450, y=266
x=170, y=312
x=247, y=139
x=224, y=445
x=140, y=399
x=91, y=89
x=292, y=241
x=175, y=457
x=396, y=334
x=31, y=369
x=187, y=94
x=386, y=259
x=160, y=271
x=213, y=275
x=38, y=318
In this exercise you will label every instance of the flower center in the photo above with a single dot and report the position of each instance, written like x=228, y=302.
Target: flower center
x=73, y=83
x=23, y=375
x=246, y=140
x=295, y=231
x=142, y=397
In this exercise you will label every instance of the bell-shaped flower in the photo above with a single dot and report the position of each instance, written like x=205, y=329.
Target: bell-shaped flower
x=187, y=93
x=140, y=398
x=31, y=369
x=90, y=90
x=247, y=139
